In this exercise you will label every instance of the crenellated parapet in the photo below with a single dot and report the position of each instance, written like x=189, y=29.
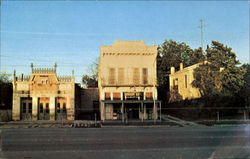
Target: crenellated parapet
x=64, y=78
x=22, y=78
x=43, y=70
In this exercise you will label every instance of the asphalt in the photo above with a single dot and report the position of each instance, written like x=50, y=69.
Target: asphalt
x=231, y=141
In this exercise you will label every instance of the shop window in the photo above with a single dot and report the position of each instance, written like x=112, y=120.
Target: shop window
x=30, y=107
x=64, y=107
x=24, y=107
x=41, y=107
x=47, y=107
x=58, y=107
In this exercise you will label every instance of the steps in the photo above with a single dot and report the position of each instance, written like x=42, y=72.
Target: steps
x=178, y=121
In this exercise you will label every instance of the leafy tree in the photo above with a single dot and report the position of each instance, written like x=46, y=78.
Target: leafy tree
x=91, y=80
x=221, y=76
x=5, y=91
x=172, y=53
x=245, y=90
x=208, y=79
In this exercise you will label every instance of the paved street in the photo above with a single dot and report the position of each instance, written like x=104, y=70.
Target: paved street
x=129, y=142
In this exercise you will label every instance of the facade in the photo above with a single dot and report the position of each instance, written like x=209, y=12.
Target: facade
x=89, y=107
x=180, y=83
x=43, y=96
x=127, y=81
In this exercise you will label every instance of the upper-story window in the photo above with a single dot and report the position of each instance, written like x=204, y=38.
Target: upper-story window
x=145, y=75
x=186, y=81
x=112, y=76
x=120, y=75
x=136, y=76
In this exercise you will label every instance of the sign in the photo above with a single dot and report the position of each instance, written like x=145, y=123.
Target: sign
x=133, y=94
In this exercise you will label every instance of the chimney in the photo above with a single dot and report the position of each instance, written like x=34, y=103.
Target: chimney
x=221, y=69
x=172, y=70
x=181, y=66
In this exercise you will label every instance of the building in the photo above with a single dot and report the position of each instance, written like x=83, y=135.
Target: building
x=127, y=81
x=89, y=107
x=43, y=96
x=180, y=83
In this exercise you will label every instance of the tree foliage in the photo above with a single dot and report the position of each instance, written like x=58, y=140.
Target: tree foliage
x=5, y=91
x=91, y=80
x=172, y=53
x=221, y=76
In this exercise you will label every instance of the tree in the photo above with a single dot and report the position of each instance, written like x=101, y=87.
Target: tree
x=172, y=53
x=91, y=80
x=245, y=90
x=5, y=91
x=221, y=76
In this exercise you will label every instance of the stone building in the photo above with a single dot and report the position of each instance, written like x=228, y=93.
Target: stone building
x=43, y=96
x=127, y=81
x=180, y=83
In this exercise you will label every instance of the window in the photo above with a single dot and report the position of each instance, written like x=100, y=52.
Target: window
x=121, y=75
x=185, y=81
x=116, y=95
x=47, y=107
x=145, y=75
x=64, y=107
x=58, y=107
x=136, y=76
x=111, y=76
x=107, y=96
x=24, y=107
x=41, y=107
x=30, y=107
x=149, y=95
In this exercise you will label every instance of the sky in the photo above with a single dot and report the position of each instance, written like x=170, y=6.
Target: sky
x=70, y=33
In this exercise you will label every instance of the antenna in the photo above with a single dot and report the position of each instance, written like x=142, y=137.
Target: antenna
x=201, y=27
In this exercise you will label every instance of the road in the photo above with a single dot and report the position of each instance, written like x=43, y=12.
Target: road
x=127, y=142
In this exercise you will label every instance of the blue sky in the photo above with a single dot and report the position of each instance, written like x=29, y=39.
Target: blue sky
x=70, y=32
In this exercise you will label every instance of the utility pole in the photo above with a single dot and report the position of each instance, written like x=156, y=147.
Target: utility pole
x=201, y=27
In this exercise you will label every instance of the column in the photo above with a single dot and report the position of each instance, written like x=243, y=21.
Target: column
x=154, y=111
x=122, y=110
x=160, y=111
x=52, y=108
x=142, y=114
x=145, y=111
x=102, y=110
x=16, y=107
x=34, y=108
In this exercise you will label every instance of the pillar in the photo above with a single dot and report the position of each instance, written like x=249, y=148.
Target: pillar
x=145, y=111
x=160, y=111
x=102, y=110
x=142, y=114
x=154, y=111
x=34, y=108
x=122, y=110
x=16, y=107
x=52, y=107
